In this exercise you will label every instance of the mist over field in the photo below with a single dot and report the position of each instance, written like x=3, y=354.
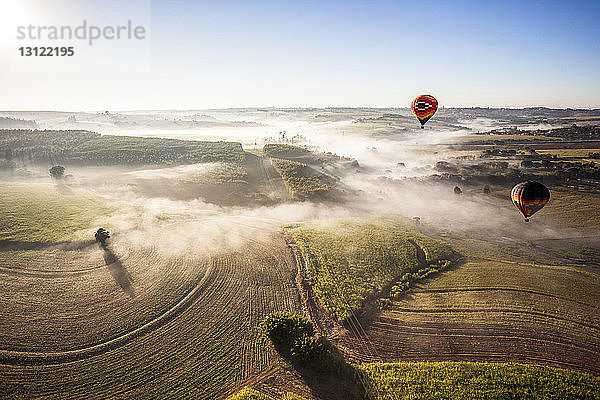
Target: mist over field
x=386, y=155
x=397, y=243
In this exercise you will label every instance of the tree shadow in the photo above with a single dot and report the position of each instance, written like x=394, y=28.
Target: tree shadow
x=118, y=271
x=342, y=384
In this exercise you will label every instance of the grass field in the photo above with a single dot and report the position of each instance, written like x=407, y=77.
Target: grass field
x=474, y=381
x=221, y=173
x=350, y=261
x=170, y=308
x=302, y=181
x=48, y=213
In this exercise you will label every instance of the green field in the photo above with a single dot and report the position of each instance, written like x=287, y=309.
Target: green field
x=475, y=381
x=285, y=151
x=302, y=181
x=41, y=213
x=89, y=148
x=221, y=174
x=350, y=261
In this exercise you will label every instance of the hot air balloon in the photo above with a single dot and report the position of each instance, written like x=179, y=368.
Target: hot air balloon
x=424, y=107
x=529, y=197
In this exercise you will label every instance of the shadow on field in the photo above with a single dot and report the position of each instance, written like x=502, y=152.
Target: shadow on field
x=323, y=384
x=118, y=271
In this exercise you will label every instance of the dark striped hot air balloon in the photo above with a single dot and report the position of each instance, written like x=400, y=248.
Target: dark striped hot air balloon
x=424, y=106
x=529, y=197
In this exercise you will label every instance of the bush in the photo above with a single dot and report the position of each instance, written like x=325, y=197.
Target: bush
x=293, y=334
x=319, y=354
x=405, y=281
x=284, y=329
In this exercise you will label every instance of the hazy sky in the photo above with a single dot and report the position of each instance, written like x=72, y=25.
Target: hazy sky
x=201, y=54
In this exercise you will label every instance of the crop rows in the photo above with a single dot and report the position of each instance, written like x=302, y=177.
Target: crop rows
x=301, y=180
x=206, y=347
x=349, y=262
x=471, y=313
x=467, y=380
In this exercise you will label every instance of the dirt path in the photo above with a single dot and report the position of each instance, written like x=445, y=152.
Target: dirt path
x=265, y=178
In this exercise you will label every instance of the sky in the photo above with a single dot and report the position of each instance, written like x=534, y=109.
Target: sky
x=217, y=54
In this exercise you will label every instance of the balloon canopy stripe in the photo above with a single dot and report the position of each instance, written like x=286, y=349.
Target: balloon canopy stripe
x=529, y=197
x=424, y=107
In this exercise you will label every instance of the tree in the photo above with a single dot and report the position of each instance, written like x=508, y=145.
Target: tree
x=102, y=235
x=57, y=172
x=527, y=164
x=285, y=329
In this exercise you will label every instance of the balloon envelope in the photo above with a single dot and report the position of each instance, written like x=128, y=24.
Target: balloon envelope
x=424, y=107
x=529, y=197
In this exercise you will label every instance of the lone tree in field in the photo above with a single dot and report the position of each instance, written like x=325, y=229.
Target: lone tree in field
x=101, y=236
x=457, y=191
x=57, y=172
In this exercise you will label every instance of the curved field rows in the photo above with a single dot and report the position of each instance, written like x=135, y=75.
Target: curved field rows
x=139, y=323
x=490, y=311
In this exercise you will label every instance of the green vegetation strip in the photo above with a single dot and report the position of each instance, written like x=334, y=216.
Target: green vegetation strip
x=468, y=380
x=301, y=180
x=350, y=261
x=89, y=148
x=284, y=150
x=39, y=213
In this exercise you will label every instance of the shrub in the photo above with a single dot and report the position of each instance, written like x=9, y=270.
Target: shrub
x=293, y=334
x=284, y=329
x=319, y=354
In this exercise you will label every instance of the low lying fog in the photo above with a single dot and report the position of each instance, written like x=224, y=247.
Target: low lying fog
x=196, y=226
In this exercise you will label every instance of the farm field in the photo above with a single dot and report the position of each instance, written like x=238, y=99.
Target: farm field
x=77, y=147
x=508, y=300
x=465, y=380
x=179, y=323
x=348, y=262
x=302, y=181
x=24, y=217
x=374, y=246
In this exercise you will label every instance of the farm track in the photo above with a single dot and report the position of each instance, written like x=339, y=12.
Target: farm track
x=440, y=321
x=204, y=344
